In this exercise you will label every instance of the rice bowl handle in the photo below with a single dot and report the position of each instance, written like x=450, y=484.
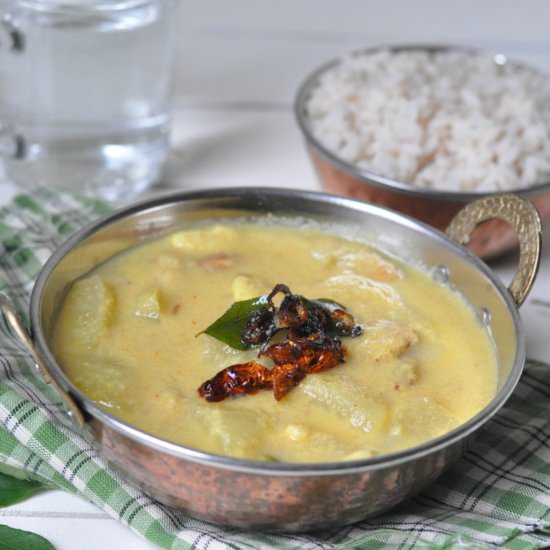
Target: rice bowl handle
x=523, y=216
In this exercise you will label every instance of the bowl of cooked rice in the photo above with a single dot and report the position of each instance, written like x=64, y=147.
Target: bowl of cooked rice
x=425, y=129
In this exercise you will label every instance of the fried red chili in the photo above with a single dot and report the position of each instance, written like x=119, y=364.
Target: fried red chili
x=246, y=378
x=310, y=346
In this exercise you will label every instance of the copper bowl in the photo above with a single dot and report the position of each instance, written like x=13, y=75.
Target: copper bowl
x=434, y=207
x=285, y=496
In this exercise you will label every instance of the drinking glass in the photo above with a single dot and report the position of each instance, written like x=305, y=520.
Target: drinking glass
x=85, y=91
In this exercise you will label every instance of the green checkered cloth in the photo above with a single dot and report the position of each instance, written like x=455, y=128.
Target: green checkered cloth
x=498, y=495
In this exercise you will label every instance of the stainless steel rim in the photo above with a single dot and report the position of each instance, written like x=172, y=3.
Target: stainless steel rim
x=383, y=182
x=264, y=196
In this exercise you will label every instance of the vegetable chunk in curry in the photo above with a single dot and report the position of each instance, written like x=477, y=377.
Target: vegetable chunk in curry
x=134, y=336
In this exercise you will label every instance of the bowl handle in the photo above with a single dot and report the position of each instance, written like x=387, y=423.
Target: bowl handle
x=523, y=216
x=14, y=322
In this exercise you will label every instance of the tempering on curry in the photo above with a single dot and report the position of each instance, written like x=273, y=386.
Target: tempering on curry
x=126, y=335
x=312, y=344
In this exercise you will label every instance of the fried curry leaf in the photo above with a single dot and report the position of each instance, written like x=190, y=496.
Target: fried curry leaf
x=16, y=539
x=230, y=326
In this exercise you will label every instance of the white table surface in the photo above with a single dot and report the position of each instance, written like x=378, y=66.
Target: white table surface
x=239, y=65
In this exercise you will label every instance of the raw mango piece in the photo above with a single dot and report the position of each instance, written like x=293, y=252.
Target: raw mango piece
x=424, y=329
x=326, y=446
x=204, y=241
x=288, y=445
x=369, y=264
x=404, y=373
x=347, y=400
x=421, y=418
x=87, y=313
x=79, y=262
x=235, y=432
x=245, y=287
x=361, y=454
x=148, y=304
x=385, y=340
x=382, y=294
x=352, y=260
x=103, y=379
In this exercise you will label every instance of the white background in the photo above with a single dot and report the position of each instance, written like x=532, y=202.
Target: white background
x=238, y=66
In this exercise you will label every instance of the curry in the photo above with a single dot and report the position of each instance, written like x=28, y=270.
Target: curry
x=131, y=335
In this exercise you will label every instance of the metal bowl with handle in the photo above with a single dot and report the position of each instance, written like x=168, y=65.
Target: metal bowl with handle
x=433, y=206
x=286, y=496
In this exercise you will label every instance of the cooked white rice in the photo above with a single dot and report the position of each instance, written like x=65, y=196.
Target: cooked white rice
x=450, y=121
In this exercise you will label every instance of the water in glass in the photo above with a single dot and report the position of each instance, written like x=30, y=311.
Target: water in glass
x=86, y=88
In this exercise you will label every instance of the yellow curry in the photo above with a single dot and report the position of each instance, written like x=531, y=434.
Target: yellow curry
x=128, y=335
